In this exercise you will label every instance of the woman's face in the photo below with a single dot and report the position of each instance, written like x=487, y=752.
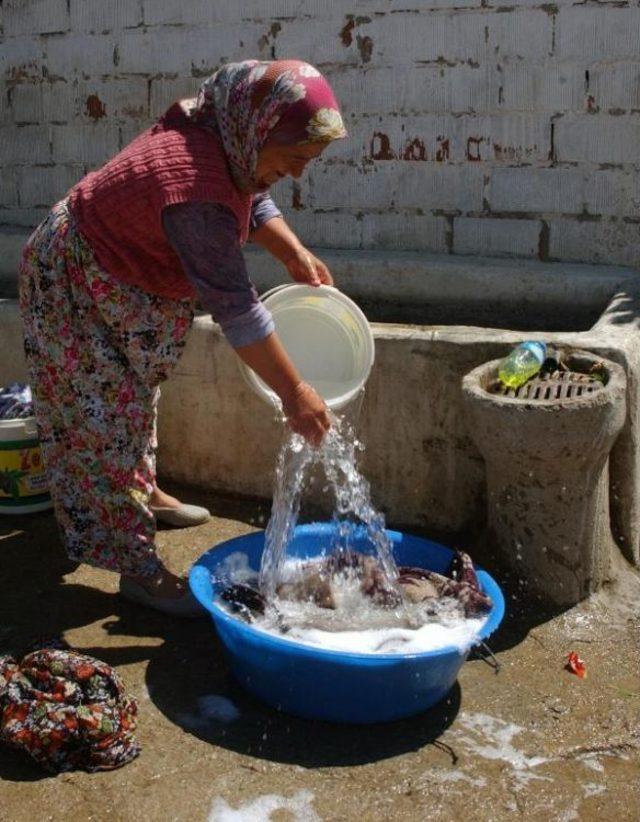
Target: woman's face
x=276, y=161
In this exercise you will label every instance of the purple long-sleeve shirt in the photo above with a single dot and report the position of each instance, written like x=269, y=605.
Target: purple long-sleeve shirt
x=205, y=238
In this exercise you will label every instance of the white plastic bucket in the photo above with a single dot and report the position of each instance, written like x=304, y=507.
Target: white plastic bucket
x=23, y=483
x=327, y=337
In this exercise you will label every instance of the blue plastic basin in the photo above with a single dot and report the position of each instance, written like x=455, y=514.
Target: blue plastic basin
x=334, y=685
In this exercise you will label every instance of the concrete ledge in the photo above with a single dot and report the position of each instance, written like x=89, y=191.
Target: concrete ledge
x=400, y=286
x=441, y=289
x=423, y=467
x=422, y=464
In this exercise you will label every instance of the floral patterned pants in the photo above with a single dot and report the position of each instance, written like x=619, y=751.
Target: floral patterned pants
x=97, y=350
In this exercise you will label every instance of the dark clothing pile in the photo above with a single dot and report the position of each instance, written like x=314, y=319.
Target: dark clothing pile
x=419, y=585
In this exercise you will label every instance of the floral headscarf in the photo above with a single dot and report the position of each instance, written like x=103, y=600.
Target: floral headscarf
x=286, y=101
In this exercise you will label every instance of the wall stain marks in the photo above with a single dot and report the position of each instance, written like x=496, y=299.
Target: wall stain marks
x=591, y=105
x=448, y=233
x=439, y=61
x=415, y=150
x=365, y=47
x=552, y=144
x=473, y=149
x=443, y=151
x=23, y=73
x=95, y=108
x=381, y=147
x=268, y=40
x=346, y=35
x=296, y=197
x=543, y=241
x=589, y=99
x=364, y=44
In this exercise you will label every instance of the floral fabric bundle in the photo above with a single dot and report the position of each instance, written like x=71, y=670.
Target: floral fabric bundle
x=67, y=711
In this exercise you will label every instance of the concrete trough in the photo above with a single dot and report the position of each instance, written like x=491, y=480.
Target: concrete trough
x=456, y=313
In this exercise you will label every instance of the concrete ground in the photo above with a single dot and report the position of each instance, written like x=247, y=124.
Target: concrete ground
x=531, y=742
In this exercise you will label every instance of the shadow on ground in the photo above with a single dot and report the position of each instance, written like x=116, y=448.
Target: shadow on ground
x=186, y=675
x=211, y=706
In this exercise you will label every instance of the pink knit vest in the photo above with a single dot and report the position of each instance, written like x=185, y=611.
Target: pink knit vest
x=118, y=208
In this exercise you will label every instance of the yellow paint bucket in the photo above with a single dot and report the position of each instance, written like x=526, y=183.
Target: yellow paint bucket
x=23, y=483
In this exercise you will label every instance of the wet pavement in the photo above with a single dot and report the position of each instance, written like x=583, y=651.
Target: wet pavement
x=531, y=741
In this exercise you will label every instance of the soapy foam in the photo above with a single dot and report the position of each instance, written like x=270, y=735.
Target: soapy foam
x=491, y=738
x=299, y=806
x=236, y=567
x=452, y=775
x=210, y=708
x=594, y=789
x=357, y=625
x=430, y=637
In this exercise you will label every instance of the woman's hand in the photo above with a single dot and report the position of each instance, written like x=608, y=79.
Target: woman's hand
x=305, y=410
x=280, y=241
x=304, y=267
x=307, y=413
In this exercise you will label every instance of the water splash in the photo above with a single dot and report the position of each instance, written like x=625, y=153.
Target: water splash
x=353, y=509
x=291, y=469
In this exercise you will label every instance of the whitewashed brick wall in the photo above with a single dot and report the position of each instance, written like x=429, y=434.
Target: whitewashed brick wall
x=502, y=127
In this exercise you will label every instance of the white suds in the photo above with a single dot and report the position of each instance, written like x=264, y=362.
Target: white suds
x=236, y=567
x=211, y=708
x=430, y=637
x=453, y=775
x=356, y=625
x=591, y=761
x=491, y=738
x=300, y=806
x=593, y=789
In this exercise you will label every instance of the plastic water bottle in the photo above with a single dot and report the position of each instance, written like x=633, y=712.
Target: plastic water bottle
x=522, y=363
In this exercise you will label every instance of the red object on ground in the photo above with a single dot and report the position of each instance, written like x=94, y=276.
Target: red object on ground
x=575, y=665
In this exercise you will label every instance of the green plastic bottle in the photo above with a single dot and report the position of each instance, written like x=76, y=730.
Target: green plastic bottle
x=522, y=363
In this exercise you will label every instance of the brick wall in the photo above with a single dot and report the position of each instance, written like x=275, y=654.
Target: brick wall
x=501, y=127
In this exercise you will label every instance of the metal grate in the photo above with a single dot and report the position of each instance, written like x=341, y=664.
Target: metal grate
x=554, y=387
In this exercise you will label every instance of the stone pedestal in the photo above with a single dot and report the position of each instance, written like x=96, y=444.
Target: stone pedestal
x=547, y=479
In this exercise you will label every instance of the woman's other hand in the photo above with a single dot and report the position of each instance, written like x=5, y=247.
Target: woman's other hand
x=281, y=242
x=307, y=413
x=304, y=267
x=305, y=410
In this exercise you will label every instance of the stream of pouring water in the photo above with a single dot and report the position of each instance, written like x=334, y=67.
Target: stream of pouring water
x=353, y=510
